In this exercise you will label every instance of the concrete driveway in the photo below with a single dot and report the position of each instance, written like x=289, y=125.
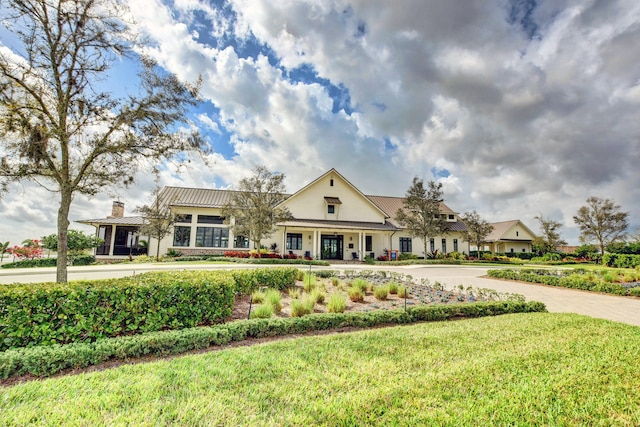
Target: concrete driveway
x=619, y=309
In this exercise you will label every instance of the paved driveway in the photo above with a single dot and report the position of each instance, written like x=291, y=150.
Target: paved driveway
x=619, y=309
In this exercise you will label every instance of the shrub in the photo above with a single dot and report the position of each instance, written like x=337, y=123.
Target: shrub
x=257, y=297
x=262, y=311
x=381, y=292
x=335, y=281
x=325, y=274
x=635, y=292
x=302, y=307
x=318, y=296
x=248, y=281
x=336, y=304
x=50, y=313
x=355, y=294
x=393, y=287
x=402, y=291
x=309, y=282
x=294, y=293
x=361, y=284
x=273, y=298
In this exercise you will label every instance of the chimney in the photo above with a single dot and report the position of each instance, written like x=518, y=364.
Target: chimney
x=117, y=211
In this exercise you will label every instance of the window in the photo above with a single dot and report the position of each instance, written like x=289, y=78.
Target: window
x=331, y=209
x=405, y=244
x=451, y=216
x=331, y=182
x=210, y=237
x=181, y=236
x=294, y=241
x=517, y=233
x=444, y=246
x=210, y=219
x=455, y=245
x=368, y=243
x=433, y=245
x=186, y=218
x=240, y=242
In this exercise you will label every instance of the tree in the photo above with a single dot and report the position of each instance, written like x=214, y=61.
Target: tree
x=77, y=243
x=158, y=219
x=254, y=208
x=549, y=238
x=477, y=229
x=58, y=128
x=3, y=250
x=601, y=220
x=420, y=214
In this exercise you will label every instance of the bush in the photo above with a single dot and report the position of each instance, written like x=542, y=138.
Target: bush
x=247, y=281
x=262, y=311
x=337, y=303
x=44, y=361
x=48, y=262
x=257, y=297
x=393, y=287
x=273, y=298
x=361, y=284
x=381, y=293
x=318, y=296
x=50, y=313
x=302, y=307
x=355, y=294
x=402, y=291
x=621, y=260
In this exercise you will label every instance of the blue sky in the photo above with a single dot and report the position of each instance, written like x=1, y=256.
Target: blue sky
x=520, y=108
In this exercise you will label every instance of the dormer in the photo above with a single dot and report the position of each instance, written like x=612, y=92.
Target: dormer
x=332, y=207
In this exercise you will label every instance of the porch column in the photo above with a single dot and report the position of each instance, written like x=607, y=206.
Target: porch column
x=360, y=245
x=113, y=239
x=315, y=244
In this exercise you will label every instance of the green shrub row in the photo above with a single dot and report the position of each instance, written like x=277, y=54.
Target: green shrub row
x=49, y=360
x=299, y=261
x=50, y=313
x=249, y=280
x=621, y=260
x=48, y=262
x=574, y=281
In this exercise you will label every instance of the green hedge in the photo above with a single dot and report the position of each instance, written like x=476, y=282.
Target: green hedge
x=249, y=280
x=621, y=260
x=573, y=281
x=48, y=262
x=49, y=360
x=50, y=313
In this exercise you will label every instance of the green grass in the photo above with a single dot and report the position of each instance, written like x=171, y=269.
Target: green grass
x=526, y=369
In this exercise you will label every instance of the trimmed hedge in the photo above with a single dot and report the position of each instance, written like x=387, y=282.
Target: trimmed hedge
x=573, y=281
x=48, y=262
x=621, y=260
x=49, y=360
x=50, y=313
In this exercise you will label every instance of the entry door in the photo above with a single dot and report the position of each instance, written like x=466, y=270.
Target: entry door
x=104, y=232
x=332, y=247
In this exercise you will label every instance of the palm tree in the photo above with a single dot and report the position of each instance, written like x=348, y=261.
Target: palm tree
x=3, y=250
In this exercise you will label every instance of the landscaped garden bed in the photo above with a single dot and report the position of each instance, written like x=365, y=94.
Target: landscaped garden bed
x=610, y=281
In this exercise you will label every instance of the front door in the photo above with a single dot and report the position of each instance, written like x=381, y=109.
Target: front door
x=332, y=247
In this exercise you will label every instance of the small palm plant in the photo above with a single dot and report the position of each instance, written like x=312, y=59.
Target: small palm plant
x=3, y=250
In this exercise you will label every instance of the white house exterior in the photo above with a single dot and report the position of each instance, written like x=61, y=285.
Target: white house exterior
x=332, y=219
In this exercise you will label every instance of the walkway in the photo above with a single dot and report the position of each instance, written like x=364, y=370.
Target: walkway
x=619, y=309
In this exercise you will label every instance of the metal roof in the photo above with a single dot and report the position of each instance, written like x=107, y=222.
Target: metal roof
x=333, y=200
x=127, y=220
x=342, y=225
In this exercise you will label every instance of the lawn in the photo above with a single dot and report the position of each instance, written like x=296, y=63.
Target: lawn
x=524, y=369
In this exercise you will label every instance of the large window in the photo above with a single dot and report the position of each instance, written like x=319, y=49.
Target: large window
x=210, y=219
x=294, y=241
x=240, y=242
x=181, y=236
x=368, y=243
x=444, y=246
x=455, y=245
x=405, y=244
x=432, y=244
x=210, y=237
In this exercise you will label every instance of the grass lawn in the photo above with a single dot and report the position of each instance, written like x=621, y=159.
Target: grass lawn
x=524, y=369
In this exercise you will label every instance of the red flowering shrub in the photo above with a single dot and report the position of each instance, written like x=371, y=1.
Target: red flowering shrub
x=30, y=250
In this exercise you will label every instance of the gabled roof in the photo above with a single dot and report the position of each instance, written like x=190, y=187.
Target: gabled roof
x=501, y=228
x=330, y=171
x=391, y=205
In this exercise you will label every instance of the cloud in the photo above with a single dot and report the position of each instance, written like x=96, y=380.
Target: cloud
x=529, y=106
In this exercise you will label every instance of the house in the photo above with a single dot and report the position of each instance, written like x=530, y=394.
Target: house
x=332, y=219
x=510, y=237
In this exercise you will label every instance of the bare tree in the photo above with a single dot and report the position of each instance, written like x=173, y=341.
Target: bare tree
x=603, y=221
x=477, y=229
x=58, y=128
x=158, y=219
x=420, y=214
x=254, y=207
x=549, y=238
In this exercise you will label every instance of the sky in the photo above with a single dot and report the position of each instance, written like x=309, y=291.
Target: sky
x=520, y=108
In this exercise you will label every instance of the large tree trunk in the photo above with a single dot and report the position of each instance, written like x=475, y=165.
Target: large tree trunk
x=158, y=250
x=63, y=228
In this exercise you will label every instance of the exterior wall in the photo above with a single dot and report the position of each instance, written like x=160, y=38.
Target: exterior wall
x=310, y=203
x=508, y=247
x=417, y=247
x=517, y=232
